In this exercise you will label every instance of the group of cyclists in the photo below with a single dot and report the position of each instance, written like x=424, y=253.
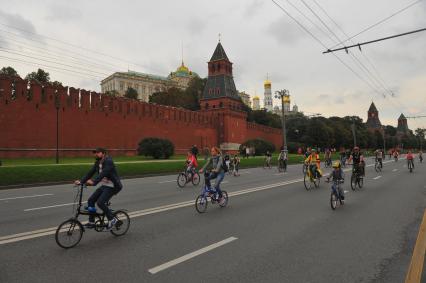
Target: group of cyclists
x=215, y=167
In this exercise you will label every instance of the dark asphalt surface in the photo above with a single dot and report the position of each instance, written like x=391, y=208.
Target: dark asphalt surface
x=285, y=233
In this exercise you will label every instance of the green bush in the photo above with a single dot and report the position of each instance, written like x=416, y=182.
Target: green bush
x=155, y=147
x=292, y=147
x=261, y=146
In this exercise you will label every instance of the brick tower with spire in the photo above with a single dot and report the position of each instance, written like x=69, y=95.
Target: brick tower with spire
x=220, y=97
x=373, y=121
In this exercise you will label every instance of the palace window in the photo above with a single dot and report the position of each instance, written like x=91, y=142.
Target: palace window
x=121, y=85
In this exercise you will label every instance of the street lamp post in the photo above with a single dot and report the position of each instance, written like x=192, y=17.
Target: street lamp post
x=281, y=94
x=354, y=131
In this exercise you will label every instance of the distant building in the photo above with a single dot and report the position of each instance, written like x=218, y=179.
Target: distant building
x=147, y=84
x=256, y=103
x=287, y=110
x=402, y=128
x=373, y=121
x=267, y=101
x=245, y=97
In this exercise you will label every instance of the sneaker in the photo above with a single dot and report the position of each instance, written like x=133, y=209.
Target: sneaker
x=90, y=209
x=89, y=225
x=112, y=223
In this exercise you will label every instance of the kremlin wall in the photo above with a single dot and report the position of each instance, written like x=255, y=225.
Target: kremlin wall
x=29, y=112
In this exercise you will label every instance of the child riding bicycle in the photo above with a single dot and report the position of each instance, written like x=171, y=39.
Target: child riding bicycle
x=337, y=175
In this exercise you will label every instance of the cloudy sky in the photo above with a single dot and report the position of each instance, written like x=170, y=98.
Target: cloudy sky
x=81, y=42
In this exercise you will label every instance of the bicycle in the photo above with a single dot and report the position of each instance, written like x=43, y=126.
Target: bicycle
x=335, y=196
x=282, y=165
x=357, y=180
x=188, y=176
x=234, y=170
x=208, y=192
x=328, y=162
x=410, y=165
x=69, y=233
x=310, y=181
x=378, y=165
x=267, y=163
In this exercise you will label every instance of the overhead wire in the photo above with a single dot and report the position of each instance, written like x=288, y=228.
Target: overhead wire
x=377, y=23
x=368, y=60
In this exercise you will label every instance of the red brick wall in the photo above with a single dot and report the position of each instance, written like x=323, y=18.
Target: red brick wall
x=88, y=120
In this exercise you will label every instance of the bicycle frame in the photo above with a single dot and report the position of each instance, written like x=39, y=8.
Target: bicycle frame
x=82, y=212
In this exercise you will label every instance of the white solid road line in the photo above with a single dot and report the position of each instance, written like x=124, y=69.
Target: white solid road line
x=51, y=206
x=186, y=257
x=33, y=196
x=376, y=178
x=50, y=231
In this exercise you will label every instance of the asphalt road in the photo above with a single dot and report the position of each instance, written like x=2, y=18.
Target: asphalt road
x=272, y=231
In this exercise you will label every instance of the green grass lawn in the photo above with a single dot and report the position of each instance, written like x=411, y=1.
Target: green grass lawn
x=27, y=173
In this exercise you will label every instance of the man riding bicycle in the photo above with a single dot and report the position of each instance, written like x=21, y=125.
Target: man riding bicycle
x=420, y=156
x=358, y=161
x=215, y=165
x=282, y=158
x=410, y=158
x=379, y=157
x=314, y=164
x=110, y=186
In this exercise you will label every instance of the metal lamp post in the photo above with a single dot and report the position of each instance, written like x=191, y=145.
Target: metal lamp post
x=281, y=94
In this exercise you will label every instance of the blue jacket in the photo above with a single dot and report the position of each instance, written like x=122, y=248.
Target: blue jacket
x=108, y=171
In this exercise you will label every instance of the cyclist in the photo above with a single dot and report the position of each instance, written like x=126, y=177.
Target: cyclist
x=358, y=161
x=327, y=157
x=420, y=156
x=410, y=158
x=308, y=152
x=343, y=157
x=395, y=155
x=314, y=163
x=268, y=157
x=110, y=186
x=191, y=162
x=337, y=175
x=282, y=159
x=379, y=157
x=236, y=163
x=228, y=162
x=217, y=171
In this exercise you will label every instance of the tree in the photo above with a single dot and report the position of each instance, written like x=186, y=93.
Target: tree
x=40, y=76
x=131, y=93
x=9, y=71
x=112, y=93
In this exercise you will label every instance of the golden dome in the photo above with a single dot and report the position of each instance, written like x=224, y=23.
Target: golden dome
x=256, y=98
x=287, y=99
x=267, y=82
x=182, y=68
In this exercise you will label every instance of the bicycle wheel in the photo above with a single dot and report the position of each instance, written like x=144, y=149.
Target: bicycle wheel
x=181, y=180
x=333, y=201
x=307, y=182
x=225, y=196
x=69, y=233
x=376, y=167
x=317, y=182
x=304, y=170
x=195, y=179
x=201, y=204
x=123, y=224
x=353, y=182
x=360, y=182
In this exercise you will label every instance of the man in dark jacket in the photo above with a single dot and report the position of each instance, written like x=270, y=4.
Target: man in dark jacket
x=110, y=185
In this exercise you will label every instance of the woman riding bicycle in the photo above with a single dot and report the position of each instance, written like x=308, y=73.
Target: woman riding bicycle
x=216, y=170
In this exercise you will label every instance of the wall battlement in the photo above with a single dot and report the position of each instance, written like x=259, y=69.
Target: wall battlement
x=30, y=114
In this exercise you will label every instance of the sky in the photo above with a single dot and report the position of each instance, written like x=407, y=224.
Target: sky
x=81, y=42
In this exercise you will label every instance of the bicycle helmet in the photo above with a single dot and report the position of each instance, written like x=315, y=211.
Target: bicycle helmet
x=356, y=148
x=336, y=164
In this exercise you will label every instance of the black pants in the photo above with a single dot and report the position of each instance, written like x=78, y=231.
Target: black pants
x=101, y=197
